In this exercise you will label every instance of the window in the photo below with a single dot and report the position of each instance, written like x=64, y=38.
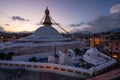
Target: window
x=62, y=69
x=56, y=68
x=41, y=66
x=0, y=63
x=22, y=65
x=28, y=65
x=111, y=48
x=78, y=72
x=11, y=65
x=69, y=70
x=48, y=67
x=87, y=74
x=117, y=44
x=16, y=64
x=116, y=48
x=111, y=44
x=5, y=64
x=35, y=66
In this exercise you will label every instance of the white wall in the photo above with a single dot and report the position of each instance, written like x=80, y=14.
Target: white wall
x=26, y=57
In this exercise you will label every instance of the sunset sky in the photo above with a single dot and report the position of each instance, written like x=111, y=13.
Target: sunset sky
x=75, y=15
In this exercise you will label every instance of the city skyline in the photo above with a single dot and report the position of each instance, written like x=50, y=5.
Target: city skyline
x=79, y=15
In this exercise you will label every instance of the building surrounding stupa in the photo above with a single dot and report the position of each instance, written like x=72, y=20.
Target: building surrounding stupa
x=44, y=39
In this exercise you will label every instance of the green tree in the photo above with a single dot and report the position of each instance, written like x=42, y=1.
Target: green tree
x=9, y=56
x=33, y=59
x=77, y=51
x=2, y=56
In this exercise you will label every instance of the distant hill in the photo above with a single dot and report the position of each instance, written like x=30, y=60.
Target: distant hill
x=82, y=32
x=116, y=30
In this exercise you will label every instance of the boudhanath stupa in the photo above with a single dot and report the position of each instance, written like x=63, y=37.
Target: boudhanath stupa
x=42, y=45
x=44, y=39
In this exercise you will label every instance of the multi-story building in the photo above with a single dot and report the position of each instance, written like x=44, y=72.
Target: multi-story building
x=114, y=48
x=113, y=45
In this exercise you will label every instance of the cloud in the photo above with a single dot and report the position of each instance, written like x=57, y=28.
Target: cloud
x=115, y=9
x=76, y=25
x=105, y=23
x=38, y=23
x=41, y=23
x=1, y=13
x=102, y=23
x=81, y=27
x=14, y=18
x=7, y=24
x=2, y=29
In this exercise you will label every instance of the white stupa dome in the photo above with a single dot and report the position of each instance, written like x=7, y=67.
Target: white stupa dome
x=92, y=56
x=47, y=31
x=92, y=53
x=51, y=58
x=46, y=35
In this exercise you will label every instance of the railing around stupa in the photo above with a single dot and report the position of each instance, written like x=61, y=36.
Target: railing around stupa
x=47, y=67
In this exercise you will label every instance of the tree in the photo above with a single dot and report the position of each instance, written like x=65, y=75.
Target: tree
x=9, y=56
x=11, y=53
x=2, y=56
x=33, y=59
x=77, y=51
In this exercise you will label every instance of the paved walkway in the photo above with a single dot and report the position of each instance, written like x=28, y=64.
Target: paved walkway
x=31, y=75
x=107, y=76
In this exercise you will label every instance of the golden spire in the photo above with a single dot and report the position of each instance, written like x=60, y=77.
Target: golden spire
x=47, y=11
x=92, y=42
x=47, y=21
x=65, y=50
